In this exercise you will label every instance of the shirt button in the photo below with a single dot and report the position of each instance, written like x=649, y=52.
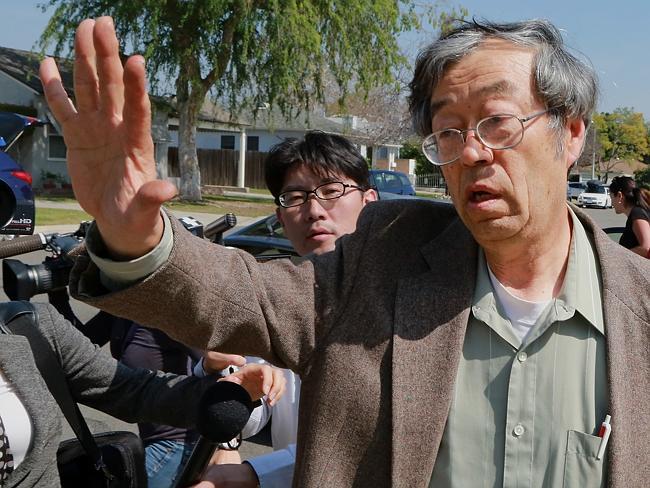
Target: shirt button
x=518, y=430
x=522, y=356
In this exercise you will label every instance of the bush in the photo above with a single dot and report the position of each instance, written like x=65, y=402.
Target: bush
x=642, y=177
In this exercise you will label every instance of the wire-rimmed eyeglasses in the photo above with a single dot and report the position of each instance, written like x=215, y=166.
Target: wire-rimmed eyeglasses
x=326, y=191
x=501, y=131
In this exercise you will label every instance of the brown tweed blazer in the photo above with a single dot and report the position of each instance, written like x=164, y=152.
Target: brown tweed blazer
x=375, y=331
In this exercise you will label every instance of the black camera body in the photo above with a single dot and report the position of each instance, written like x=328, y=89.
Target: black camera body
x=22, y=281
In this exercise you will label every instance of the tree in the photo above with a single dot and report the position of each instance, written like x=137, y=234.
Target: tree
x=622, y=134
x=384, y=108
x=263, y=51
x=642, y=178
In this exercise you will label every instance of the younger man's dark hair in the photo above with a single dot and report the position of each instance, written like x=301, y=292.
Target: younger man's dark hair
x=322, y=153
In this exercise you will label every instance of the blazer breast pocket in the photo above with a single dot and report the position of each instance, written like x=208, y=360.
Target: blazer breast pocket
x=581, y=468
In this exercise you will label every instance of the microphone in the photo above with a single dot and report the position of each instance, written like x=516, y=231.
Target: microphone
x=223, y=412
x=22, y=245
x=214, y=230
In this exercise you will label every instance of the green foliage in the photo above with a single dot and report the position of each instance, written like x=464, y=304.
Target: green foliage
x=264, y=51
x=642, y=177
x=622, y=134
x=55, y=177
x=412, y=150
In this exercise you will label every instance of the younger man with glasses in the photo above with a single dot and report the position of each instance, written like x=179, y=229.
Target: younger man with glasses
x=320, y=184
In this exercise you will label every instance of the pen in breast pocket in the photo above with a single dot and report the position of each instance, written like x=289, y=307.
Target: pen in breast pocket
x=603, y=433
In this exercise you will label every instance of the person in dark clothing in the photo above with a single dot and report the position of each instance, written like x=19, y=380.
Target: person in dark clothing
x=167, y=448
x=633, y=202
x=33, y=421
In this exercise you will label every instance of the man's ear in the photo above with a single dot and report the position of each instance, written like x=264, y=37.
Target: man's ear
x=575, y=140
x=278, y=214
x=370, y=196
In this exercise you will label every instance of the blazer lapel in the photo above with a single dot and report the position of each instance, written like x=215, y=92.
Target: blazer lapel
x=625, y=304
x=431, y=314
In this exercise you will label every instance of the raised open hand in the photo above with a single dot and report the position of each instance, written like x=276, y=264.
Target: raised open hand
x=108, y=135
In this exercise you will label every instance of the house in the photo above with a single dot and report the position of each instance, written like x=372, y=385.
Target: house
x=43, y=152
x=605, y=171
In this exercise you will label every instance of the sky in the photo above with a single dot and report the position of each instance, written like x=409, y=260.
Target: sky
x=613, y=35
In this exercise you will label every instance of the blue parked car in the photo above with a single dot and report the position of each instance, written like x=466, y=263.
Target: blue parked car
x=391, y=182
x=16, y=195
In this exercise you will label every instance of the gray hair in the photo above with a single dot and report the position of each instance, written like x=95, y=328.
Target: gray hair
x=564, y=83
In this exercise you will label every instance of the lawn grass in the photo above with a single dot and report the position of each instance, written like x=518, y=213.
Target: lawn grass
x=432, y=195
x=259, y=191
x=243, y=207
x=212, y=204
x=57, y=216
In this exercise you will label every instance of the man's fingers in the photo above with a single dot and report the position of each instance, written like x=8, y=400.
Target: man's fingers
x=235, y=360
x=55, y=94
x=278, y=387
x=137, y=106
x=109, y=68
x=86, y=85
x=216, y=361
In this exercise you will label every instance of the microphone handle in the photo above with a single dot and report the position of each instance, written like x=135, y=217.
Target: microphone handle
x=22, y=245
x=219, y=226
x=197, y=462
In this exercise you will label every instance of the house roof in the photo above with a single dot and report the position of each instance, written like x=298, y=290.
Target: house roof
x=23, y=67
x=273, y=119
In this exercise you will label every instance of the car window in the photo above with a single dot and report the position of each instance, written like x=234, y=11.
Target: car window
x=269, y=227
x=10, y=127
x=392, y=181
x=378, y=180
x=404, y=179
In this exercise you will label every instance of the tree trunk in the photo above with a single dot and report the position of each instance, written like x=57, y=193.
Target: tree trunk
x=188, y=161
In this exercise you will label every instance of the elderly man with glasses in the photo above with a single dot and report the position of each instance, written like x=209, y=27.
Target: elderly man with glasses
x=501, y=344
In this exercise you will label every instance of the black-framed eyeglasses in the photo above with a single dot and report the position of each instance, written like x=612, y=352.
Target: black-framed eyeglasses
x=501, y=131
x=326, y=191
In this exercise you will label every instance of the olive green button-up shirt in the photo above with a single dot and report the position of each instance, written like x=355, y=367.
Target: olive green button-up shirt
x=528, y=414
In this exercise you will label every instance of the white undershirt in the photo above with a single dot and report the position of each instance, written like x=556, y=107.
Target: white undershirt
x=522, y=314
x=16, y=420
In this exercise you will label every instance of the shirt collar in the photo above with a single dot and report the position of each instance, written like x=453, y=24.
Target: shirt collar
x=581, y=290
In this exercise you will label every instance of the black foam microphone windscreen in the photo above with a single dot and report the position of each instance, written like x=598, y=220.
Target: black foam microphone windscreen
x=222, y=413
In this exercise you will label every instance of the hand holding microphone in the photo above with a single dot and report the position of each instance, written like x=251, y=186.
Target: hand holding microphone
x=224, y=410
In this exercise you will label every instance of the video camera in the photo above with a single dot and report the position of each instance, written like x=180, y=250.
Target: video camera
x=22, y=281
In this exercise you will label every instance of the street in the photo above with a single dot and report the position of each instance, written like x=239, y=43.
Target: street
x=100, y=422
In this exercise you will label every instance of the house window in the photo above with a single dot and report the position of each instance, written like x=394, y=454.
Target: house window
x=383, y=153
x=253, y=143
x=55, y=145
x=227, y=142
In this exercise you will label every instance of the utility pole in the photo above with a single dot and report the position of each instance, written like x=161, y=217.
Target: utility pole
x=593, y=151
